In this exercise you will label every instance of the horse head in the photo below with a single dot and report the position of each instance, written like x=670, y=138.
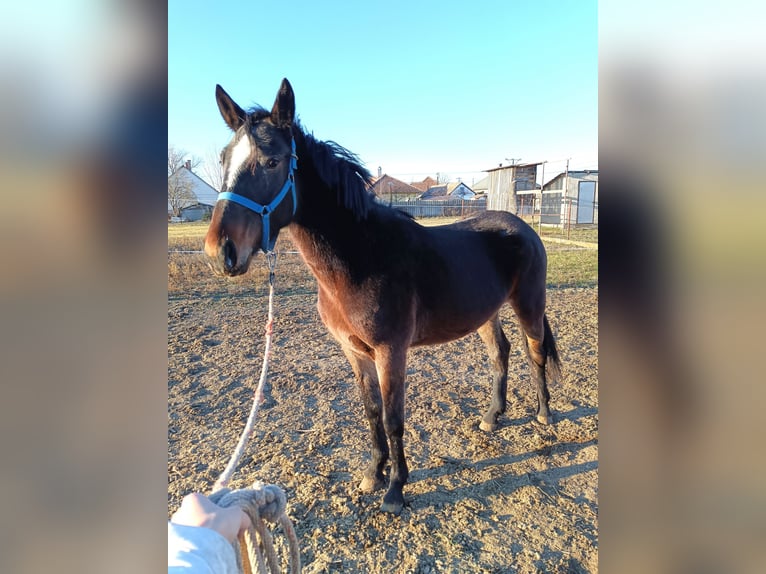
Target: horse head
x=258, y=195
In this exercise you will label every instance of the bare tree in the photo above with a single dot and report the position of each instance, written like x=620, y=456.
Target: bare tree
x=213, y=169
x=442, y=178
x=180, y=193
x=177, y=159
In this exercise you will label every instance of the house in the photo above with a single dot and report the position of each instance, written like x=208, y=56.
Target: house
x=388, y=189
x=459, y=190
x=425, y=184
x=506, y=183
x=571, y=196
x=189, y=196
x=454, y=190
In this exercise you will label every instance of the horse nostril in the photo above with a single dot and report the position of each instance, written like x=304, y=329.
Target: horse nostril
x=229, y=255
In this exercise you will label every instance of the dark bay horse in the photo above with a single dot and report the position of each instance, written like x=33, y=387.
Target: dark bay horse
x=385, y=282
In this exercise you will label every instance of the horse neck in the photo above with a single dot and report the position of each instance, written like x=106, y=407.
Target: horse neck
x=322, y=225
x=321, y=186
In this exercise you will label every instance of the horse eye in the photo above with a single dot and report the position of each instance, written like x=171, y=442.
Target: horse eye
x=272, y=163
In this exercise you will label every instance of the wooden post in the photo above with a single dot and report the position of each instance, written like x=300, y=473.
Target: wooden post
x=542, y=183
x=566, y=194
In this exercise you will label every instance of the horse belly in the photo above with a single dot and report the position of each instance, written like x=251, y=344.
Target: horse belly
x=456, y=318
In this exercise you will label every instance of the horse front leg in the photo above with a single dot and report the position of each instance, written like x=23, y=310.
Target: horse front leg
x=369, y=390
x=391, y=367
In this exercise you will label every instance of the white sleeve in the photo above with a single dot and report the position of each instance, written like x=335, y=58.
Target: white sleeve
x=198, y=550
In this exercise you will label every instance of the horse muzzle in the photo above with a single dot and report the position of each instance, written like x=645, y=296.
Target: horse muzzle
x=226, y=259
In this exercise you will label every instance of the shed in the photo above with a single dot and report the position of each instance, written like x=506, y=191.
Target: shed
x=573, y=195
x=506, y=181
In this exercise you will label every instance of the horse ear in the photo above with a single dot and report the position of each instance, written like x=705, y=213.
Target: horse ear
x=283, y=112
x=233, y=115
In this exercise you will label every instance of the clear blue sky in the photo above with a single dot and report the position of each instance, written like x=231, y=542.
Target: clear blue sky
x=415, y=87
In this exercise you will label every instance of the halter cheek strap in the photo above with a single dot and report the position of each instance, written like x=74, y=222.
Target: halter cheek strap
x=265, y=210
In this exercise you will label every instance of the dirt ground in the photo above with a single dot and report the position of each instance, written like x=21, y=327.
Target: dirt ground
x=521, y=499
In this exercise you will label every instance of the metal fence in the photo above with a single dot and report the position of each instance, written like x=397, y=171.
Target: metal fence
x=440, y=208
x=555, y=209
x=557, y=213
x=551, y=210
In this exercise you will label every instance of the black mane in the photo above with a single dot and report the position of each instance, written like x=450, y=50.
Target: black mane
x=340, y=169
x=337, y=167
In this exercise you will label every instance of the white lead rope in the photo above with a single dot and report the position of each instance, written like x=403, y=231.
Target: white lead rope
x=223, y=480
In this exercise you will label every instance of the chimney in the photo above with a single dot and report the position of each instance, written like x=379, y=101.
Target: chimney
x=187, y=164
x=380, y=172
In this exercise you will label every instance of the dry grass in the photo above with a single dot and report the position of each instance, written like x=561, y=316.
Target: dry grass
x=187, y=236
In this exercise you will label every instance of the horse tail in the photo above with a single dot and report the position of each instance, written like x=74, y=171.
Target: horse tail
x=551, y=352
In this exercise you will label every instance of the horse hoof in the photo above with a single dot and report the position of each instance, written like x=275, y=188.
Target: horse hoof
x=487, y=427
x=543, y=420
x=392, y=507
x=370, y=484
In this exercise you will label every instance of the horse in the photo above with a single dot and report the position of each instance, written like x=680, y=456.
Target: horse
x=385, y=283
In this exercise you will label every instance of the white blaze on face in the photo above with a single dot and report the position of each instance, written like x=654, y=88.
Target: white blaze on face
x=239, y=155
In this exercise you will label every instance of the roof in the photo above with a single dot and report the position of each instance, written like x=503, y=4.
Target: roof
x=390, y=185
x=455, y=184
x=514, y=166
x=425, y=184
x=435, y=191
x=572, y=173
x=197, y=206
x=481, y=185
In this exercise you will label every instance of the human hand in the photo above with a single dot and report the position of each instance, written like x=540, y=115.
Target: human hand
x=197, y=510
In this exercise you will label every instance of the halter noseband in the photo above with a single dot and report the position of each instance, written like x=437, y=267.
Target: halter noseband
x=265, y=210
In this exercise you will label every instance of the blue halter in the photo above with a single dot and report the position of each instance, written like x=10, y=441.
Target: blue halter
x=265, y=210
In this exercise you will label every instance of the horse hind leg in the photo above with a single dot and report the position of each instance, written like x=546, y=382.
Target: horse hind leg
x=367, y=380
x=499, y=349
x=540, y=348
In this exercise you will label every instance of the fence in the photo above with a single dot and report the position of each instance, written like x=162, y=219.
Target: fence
x=555, y=209
x=440, y=208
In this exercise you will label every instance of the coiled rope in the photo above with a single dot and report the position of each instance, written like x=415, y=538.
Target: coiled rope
x=262, y=501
